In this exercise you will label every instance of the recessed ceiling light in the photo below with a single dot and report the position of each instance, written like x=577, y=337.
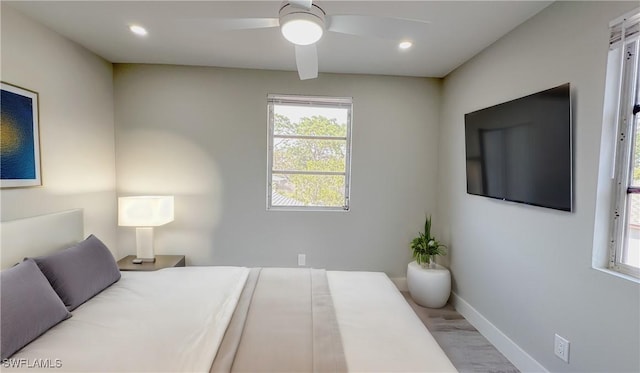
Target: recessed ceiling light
x=405, y=45
x=138, y=30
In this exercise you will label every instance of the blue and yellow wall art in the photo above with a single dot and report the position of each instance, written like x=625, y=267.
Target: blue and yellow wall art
x=19, y=138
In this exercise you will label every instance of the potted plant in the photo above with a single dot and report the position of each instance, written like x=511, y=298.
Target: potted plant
x=425, y=247
x=429, y=283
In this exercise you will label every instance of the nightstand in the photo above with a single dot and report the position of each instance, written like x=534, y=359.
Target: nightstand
x=162, y=261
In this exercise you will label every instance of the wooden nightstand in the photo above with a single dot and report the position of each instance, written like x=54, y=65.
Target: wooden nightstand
x=162, y=261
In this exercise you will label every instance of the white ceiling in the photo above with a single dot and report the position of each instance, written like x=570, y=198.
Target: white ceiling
x=179, y=33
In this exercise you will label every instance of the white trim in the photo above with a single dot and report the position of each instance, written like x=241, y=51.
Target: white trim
x=618, y=274
x=345, y=102
x=623, y=158
x=625, y=17
x=269, y=153
x=518, y=357
x=321, y=173
x=343, y=138
x=308, y=208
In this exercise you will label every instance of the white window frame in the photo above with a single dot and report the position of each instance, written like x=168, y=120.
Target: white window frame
x=309, y=101
x=625, y=50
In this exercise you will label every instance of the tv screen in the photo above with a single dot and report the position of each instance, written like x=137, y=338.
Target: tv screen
x=520, y=150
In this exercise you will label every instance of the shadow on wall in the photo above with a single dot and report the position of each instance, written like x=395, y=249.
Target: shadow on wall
x=160, y=162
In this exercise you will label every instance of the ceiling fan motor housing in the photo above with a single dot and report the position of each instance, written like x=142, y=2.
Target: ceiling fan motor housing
x=302, y=26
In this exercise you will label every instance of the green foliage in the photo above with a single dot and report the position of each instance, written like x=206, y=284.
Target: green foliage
x=311, y=155
x=425, y=245
x=317, y=190
x=317, y=125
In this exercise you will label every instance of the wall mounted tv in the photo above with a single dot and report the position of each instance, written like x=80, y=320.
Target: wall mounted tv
x=521, y=150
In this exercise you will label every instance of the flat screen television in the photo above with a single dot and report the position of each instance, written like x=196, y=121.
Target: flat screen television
x=521, y=150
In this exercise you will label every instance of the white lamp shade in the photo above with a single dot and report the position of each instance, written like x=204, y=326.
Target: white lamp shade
x=145, y=211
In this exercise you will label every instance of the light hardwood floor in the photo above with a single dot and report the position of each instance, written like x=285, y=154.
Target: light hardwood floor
x=467, y=349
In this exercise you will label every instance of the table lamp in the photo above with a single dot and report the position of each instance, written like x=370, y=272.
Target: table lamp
x=144, y=213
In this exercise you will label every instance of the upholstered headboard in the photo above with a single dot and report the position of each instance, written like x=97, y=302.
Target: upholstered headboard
x=39, y=235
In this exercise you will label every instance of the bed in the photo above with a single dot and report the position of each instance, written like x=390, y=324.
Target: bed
x=222, y=319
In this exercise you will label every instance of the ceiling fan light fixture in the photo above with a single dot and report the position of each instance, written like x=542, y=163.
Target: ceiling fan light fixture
x=301, y=31
x=301, y=27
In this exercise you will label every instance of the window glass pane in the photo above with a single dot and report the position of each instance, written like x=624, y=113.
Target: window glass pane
x=307, y=190
x=309, y=121
x=309, y=155
x=635, y=179
x=631, y=254
x=309, y=138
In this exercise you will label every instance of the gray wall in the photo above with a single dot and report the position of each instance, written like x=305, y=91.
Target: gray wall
x=201, y=135
x=528, y=269
x=76, y=125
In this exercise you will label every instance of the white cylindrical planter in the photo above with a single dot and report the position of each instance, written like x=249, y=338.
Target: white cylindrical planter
x=429, y=287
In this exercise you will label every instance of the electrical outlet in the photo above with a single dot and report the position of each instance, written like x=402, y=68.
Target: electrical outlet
x=302, y=260
x=561, y=348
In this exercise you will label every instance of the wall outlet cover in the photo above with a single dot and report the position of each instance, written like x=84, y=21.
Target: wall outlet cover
x=561, y=348
x=302, y=260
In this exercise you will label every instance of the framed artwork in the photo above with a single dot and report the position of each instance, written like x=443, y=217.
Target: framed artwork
x=19, y=138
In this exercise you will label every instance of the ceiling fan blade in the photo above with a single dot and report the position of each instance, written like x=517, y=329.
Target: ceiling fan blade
x=304, y=4
x=381, y=27
x=307, y=61
x=229, y=24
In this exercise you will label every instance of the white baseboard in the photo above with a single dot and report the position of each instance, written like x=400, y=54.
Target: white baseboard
x=401, y=283
x=518, y=357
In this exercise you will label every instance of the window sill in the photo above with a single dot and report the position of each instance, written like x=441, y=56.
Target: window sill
x=308, y=209
x=618, y=274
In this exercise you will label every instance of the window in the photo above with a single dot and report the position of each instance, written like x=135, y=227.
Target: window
x=309, y=153
x=624, y=252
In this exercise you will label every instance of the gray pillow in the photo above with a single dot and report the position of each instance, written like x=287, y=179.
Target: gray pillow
x=80, y=272
x=28, y=306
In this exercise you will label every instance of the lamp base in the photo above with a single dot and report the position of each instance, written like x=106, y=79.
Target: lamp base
x=144, y=244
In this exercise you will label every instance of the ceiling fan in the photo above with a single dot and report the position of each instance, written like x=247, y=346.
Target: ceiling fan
x=303, y=23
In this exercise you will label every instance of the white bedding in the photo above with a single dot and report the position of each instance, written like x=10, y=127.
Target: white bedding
x=380, y=332
x=131, y=326
x=134, y=320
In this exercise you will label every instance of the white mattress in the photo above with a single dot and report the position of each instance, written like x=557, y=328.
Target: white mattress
x=106, y=333
x=380, y=332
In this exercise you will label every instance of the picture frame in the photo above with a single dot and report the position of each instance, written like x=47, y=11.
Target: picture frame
x=19, y=137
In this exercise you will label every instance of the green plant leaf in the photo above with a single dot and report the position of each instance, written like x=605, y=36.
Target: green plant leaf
x=427, y=227
x=424, y=246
